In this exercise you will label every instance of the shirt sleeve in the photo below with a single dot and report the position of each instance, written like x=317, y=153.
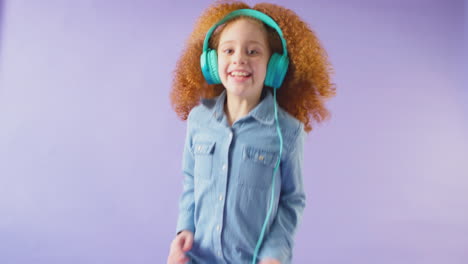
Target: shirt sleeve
x=278, y=243
x=187, y=203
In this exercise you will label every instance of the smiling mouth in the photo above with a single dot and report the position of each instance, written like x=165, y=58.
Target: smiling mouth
x=240, y=74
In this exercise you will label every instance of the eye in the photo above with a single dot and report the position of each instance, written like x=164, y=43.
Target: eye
x=228, y=51
x=252, y=52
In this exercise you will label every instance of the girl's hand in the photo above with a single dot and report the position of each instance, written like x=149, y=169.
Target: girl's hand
x=269, y=261
x=181, y=244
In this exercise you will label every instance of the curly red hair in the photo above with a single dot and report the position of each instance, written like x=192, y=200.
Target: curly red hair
x=307, y=83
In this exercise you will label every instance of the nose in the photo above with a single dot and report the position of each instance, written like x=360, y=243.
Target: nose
x=239, y=58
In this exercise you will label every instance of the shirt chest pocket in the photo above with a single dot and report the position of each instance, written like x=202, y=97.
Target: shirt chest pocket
x=257, y=167
x=203, y=153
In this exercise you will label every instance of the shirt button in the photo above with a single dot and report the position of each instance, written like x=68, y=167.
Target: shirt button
x=220, y=197
x=218, y=228
x=224, y=167
x=219, y=253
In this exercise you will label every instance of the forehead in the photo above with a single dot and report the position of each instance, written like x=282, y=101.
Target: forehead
x=244, y=29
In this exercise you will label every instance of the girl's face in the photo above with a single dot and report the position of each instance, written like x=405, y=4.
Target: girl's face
x=243, y=54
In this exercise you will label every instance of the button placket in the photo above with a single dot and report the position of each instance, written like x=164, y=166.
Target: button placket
x=221, y=197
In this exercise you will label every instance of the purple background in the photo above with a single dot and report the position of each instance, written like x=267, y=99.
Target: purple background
x=90, y=149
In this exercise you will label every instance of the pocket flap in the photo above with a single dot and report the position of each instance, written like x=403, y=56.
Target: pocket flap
x=203, y=148
x=265, y=157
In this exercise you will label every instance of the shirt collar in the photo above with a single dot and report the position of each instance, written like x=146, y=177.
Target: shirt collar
x=263, y=112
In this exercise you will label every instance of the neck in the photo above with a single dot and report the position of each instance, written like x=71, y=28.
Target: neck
x=237, y=107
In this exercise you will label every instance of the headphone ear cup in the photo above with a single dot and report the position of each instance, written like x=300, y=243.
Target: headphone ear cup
x=213, y=67
x=276, y=70
x=204, y=66
x=209, y=66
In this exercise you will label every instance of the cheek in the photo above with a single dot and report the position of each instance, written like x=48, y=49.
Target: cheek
x=221, y=64
x=222, y=69
x=263, y=68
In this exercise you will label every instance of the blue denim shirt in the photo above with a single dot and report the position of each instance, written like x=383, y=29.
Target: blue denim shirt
x=227, y=182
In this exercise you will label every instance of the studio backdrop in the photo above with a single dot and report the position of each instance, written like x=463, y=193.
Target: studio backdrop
x=91, y=149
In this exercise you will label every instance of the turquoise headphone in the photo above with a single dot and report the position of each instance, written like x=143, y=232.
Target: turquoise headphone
x=277, y=65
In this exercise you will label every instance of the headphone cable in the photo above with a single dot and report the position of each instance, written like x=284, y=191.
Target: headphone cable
x=270, y=208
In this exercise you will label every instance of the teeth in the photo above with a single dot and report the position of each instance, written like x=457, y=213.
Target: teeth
x=239, y=73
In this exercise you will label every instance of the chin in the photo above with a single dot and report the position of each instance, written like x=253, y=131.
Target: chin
x=242, y=93
x=241, y=89
x=237, y=92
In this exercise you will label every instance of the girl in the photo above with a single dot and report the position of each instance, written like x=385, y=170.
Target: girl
x=243, y=194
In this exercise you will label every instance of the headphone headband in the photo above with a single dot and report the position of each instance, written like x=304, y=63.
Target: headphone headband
x=250, y=13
